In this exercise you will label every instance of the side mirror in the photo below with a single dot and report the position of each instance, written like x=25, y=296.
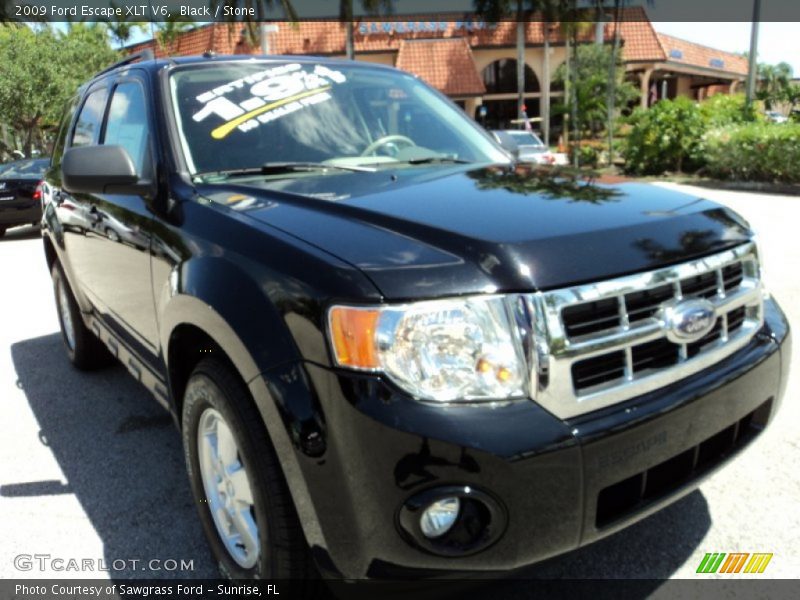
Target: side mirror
x=101, y=170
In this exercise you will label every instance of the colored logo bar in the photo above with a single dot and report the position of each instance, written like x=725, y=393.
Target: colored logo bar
x=734, y=562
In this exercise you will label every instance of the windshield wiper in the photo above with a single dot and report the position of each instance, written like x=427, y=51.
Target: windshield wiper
x=436, y=159
x=278, y=168
x=288, y=167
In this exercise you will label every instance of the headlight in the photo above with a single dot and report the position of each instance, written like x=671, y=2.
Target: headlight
x=444, y=350
x=761, y=262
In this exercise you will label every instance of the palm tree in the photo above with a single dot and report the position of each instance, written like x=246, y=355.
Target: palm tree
x=773, y=81
x=259, y=9
x=521, y=31
x=170, y=30
x=121, y=28
x=612, y=81
x=549, y=13
x=571, y=29
x=346, y=17
x=792, y=97
x=496, y=10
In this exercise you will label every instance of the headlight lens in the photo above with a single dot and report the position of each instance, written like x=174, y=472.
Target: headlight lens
x=761, y=262
x=445, y=350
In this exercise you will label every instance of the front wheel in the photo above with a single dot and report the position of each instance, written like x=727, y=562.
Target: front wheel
x=245, y=507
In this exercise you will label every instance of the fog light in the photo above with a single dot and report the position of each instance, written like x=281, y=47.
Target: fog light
x=439, y=517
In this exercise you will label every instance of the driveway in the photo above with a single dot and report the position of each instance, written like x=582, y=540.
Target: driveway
x=91, y=467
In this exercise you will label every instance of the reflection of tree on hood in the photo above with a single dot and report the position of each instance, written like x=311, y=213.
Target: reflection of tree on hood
x=554, y=183
x=693, y=242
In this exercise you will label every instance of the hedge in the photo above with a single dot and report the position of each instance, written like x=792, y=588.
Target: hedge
x=754, y=152
x=665, y=137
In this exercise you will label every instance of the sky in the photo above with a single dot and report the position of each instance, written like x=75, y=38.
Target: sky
x=777, y=42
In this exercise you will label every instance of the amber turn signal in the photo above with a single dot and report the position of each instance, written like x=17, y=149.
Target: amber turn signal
x=353, y=336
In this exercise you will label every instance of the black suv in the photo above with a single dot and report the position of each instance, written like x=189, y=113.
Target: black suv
x=388, y=349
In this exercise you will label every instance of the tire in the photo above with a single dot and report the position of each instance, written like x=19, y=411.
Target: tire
x=112, y=235
x=85, y=351
x=216, y=398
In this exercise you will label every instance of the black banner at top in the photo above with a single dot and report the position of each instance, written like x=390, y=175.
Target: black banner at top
x=206, y=11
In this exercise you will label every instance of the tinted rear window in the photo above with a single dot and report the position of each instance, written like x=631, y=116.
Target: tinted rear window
x=25, y=169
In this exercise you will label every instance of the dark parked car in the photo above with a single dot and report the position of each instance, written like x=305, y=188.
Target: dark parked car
x=389, y=351
x=21, y=192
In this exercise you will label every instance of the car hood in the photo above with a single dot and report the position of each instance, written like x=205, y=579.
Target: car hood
x=440, y=230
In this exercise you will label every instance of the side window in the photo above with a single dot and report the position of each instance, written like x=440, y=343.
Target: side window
x=127, y=125
x=58, y=143
x=87, y=128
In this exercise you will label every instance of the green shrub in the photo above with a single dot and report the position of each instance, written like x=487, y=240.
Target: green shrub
x=665, y=137
x=588, y=153
x=754, y=152
x=722, y=110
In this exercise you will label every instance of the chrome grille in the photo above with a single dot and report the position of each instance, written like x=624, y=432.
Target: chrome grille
x=599, y=344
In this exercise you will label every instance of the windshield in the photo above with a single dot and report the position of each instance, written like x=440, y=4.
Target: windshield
x=243, y=115
x=25, y=169
x=525, y=138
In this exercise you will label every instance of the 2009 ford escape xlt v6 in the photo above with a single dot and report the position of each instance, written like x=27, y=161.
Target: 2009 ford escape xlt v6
x=388, y=348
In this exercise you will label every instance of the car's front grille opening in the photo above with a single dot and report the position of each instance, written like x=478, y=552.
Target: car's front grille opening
x=662, y=478
x=634, y=493
x=591, y=317
x=598, y=370
x=718, y=445
x=645, y=304
x=700, y=286
x=654, y=355
x=732, y=275
x=619, y=499
x=736, y=318
x=605, y=342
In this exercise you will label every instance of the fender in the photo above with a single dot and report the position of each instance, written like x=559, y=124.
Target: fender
x=219, y=299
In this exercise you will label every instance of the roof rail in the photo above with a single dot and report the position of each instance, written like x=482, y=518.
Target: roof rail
x=146, y=54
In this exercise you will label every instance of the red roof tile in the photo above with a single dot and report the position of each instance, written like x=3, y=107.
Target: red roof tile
x=689, y=53
x=447, y=65
x=640, y=42
x=375, y=35
x=222, y=38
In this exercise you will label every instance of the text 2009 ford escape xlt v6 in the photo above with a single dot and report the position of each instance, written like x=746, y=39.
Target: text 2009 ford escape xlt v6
x=388, y=348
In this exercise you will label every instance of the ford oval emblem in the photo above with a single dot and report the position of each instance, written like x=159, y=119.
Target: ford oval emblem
x=687, y=321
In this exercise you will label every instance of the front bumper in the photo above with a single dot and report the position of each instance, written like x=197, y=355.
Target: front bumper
x=361, y=450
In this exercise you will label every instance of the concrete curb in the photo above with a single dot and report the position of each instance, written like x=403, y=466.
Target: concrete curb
x=745, y=186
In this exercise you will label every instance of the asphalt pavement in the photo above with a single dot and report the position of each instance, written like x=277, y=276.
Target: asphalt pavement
x=91, y=466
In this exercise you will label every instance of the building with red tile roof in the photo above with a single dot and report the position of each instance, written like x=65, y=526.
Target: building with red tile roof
x=474, y=62
x=447, y=65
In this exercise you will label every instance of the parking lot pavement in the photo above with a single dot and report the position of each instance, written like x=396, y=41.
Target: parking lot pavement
x=91, y=467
